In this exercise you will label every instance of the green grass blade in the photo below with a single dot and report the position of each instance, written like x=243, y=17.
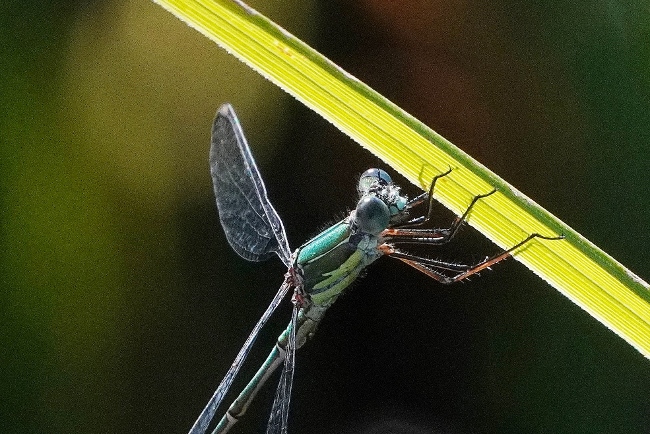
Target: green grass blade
x=574, y=266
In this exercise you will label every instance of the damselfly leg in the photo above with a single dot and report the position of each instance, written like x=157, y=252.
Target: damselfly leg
x=437, y=236
x=435, y=269
x=424, y=197
x=410, y=233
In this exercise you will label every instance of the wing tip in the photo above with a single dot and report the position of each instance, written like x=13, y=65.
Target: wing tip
x=224, y=120
x=226, y=110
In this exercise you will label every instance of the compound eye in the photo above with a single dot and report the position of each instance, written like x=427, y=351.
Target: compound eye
x=372, y=215
x=372, y=177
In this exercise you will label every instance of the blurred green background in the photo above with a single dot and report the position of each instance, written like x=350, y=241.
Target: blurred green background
x=123, y=306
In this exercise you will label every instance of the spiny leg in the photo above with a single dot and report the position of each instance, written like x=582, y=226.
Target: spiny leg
x=430, y=267
x=428, y=196
x=403, y=233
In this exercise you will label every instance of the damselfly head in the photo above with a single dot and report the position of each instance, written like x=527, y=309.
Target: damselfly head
x=371, y=215
x=380, y=201
x=373, y=180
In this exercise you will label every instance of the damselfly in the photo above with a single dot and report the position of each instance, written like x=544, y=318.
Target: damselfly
x=320, y=269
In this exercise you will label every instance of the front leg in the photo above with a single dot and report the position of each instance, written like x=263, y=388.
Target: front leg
x=403, y=234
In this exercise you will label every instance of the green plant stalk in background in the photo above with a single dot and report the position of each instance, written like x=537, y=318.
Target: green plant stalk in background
x=574, y=266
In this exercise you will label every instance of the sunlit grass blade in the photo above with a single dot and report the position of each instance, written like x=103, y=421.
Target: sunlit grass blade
x=577, y=268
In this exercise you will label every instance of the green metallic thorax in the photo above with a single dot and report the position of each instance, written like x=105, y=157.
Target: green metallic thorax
x=330, y=261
